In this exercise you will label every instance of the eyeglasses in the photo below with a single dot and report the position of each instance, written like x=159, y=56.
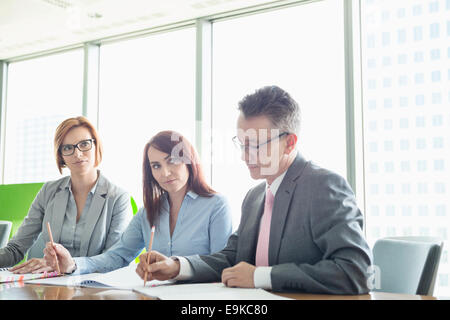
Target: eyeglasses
x=247, y=147
x=83, y=145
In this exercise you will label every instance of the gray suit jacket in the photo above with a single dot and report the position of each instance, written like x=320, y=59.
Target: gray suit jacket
x=108, y=216
x=316, y=240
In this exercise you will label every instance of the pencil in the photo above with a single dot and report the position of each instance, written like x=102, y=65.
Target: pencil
x=148, y=252
x=53, y=245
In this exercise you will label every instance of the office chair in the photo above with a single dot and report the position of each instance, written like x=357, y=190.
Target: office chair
x=407, y=264
x=5, y=230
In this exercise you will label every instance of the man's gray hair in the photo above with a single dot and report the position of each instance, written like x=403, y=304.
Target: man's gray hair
x=274, y=103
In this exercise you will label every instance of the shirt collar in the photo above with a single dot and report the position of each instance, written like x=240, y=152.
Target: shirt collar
x=276, y=183
x=92, y=191
x=165, y=203
x=192, y=194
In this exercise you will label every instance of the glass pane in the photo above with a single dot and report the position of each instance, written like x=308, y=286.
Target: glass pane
x=406, y=73
x=300, y=49
x=41, y=93
x=146, y=85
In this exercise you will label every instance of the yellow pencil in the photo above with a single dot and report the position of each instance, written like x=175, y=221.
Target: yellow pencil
x=148, y=252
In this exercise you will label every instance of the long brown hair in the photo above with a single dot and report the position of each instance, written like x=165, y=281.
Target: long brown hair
x=180, y=148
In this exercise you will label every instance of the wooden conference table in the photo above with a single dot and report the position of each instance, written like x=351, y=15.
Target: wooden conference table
x=23, y=291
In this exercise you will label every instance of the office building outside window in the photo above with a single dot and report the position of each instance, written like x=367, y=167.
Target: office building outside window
x=42, y=92
x=146, y=85
x=280, y=48
x=412, y=179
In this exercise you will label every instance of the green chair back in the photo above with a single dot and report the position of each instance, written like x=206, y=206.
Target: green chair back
x=15, y=201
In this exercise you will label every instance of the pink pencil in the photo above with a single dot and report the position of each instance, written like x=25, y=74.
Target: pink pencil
x=148, y=252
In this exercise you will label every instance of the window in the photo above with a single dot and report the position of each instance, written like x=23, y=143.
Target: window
x=434, y=6
x=402, y=58
x=435, y=54
x=418, y=56
x=42, y=92
x=420, y=167
x=303, y=66
x=434, y=30
x=438, y=142
x=386, y=38
x=418, y=33
x=417, y=10
x=401, y=36
x=404, y=144
x=146, y=86
x=386, y=61
x=436, y=98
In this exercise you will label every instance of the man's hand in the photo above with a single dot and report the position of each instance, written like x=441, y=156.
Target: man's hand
x=240, y=275
x=159, y=268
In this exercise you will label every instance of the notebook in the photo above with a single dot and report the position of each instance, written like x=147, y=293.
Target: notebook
x=123, y=279
x=207, y=291
x=8, y=276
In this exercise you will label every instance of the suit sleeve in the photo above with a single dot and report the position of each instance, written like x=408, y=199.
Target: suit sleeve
x=208, y=268
x=121, y=217
x=336, y=226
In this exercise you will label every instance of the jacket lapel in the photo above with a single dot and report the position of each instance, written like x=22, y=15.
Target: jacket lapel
x=248, y=236
x=279, y=216
x=281, y=206
x=59, y=211
x=95, y=211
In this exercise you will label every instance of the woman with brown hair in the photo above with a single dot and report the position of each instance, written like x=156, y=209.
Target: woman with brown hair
x=86, y=212
x=189, y=217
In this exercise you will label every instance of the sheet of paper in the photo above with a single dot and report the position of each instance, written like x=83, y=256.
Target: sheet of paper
x=207, y=291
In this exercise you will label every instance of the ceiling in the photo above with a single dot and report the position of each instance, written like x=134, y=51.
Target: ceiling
x=31, y=26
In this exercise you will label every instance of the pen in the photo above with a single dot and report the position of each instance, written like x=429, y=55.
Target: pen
x=148, y=252
x=53, y=245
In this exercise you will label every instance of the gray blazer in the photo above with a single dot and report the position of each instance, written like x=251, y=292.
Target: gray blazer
x=108, y=216
x=316, y=240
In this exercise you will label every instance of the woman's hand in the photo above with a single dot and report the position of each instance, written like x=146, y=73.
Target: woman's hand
x=57, y=253
x=35, y=265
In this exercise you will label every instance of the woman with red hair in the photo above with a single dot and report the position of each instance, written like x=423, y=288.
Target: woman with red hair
x=189, y=217
x=86, y=211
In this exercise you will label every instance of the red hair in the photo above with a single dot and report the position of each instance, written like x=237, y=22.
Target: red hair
x=61, y=132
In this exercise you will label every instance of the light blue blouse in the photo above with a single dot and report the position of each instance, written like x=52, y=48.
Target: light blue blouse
x=203, y=227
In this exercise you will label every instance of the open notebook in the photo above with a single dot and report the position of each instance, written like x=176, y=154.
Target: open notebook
x=123, y=279
x=8, y=276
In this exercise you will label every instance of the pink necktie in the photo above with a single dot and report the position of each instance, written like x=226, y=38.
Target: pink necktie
x=262, y=249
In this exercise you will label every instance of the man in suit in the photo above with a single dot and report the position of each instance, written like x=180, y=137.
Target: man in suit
x=300, y=229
